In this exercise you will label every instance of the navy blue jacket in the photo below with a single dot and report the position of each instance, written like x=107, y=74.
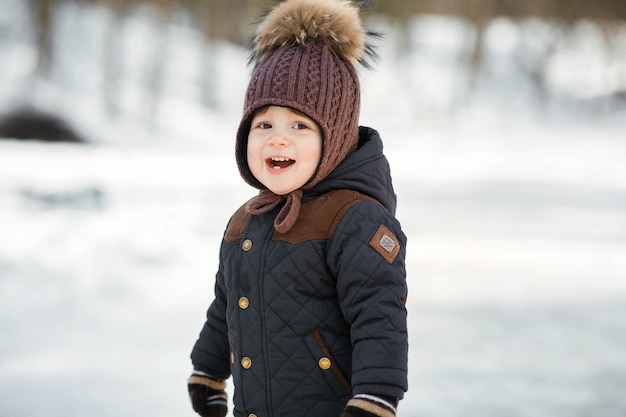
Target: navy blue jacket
x=306, y=319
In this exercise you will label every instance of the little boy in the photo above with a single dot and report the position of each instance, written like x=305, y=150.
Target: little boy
x=308, y=315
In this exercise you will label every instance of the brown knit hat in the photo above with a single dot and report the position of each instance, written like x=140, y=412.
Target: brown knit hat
x=304, y=53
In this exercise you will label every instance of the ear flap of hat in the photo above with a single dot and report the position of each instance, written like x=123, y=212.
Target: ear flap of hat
x=241, y=153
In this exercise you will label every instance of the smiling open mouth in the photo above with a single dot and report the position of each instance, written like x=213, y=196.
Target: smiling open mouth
x=280, y=162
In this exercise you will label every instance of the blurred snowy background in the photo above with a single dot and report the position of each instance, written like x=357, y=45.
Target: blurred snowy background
x=506, y=132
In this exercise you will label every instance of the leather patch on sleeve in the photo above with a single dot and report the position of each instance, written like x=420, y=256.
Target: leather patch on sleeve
x=385, y=243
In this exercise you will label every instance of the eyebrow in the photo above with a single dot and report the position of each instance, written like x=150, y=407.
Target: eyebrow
x=299, y=113
x=260, y=111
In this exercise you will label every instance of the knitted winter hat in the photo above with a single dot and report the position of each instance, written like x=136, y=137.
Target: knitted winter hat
x=304, y=53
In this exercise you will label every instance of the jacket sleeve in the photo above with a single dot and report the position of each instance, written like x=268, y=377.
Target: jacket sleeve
x=367, y=256
x=211, y=352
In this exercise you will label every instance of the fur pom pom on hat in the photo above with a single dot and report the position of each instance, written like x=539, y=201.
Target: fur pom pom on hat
x=304, y=56
x=333, y=23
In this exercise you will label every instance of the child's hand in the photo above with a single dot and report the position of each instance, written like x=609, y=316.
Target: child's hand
x=365, y=405
x=207, y=395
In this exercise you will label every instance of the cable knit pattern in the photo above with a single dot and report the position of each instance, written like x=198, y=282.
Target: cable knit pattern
x=283, y=74
x=335, y=97
x=313, y=78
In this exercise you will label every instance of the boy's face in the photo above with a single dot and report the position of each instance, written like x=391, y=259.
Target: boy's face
x=284, y=149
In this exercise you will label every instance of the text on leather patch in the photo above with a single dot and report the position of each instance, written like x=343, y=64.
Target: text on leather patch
x=385, y=243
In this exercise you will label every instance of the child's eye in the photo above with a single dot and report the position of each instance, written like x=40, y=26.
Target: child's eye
x=300, y=126
x=265, y=125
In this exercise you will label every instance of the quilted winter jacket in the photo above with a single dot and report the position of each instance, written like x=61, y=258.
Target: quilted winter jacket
x=306, y=319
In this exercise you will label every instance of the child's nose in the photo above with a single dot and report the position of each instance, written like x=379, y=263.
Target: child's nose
x=278, y=139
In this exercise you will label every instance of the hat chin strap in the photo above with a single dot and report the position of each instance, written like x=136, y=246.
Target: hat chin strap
x=267, y=200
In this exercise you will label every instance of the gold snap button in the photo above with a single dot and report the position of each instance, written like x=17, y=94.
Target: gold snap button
x=244, y=303
x=246, y=245
x=251, y=415
x=324, y=363
x=232, y=357
x=246, y=362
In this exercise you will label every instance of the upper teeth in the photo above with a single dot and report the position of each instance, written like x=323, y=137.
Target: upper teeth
x=280, y=159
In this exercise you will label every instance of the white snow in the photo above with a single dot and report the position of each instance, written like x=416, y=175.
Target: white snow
x=515, y=217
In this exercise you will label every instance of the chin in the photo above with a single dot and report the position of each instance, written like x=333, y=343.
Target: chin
x=282, y=192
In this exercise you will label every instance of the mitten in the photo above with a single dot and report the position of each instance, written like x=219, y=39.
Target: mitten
x=366, y=405
x=207, y=395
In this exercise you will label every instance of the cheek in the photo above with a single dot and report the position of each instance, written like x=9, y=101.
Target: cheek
x=252, y=152
x=315, y=154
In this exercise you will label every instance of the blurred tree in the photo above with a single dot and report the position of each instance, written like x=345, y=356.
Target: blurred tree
x=218, y=19
x=163, y=10
x=43, y=22
x=112, y=65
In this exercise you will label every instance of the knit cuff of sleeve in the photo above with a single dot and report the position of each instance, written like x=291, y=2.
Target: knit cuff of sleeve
x=201, y=378
x=383, y=407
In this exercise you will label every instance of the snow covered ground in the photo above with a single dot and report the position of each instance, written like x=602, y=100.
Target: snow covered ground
x=516, y=257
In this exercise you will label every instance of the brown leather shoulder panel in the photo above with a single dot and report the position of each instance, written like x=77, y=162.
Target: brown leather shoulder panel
x=318, y=219
x=237, y=225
